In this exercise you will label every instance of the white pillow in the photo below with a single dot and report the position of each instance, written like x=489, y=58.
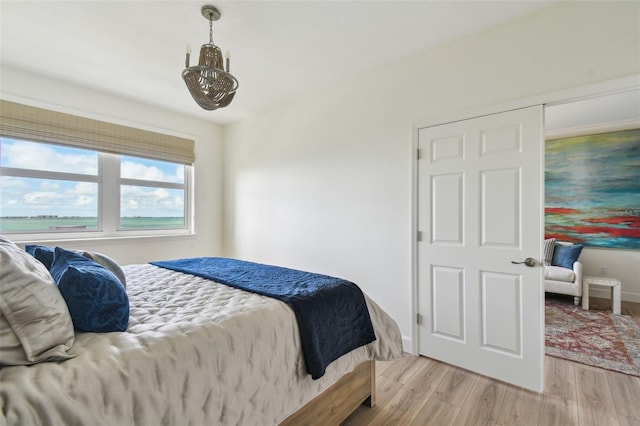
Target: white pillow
x=35, y=324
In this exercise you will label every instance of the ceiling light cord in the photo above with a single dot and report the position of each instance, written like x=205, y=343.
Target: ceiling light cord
x=210, y=30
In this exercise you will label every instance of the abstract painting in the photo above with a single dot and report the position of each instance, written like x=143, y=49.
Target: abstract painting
x=592, y=189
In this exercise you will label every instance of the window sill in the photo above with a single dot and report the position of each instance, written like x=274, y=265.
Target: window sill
x=24, y=239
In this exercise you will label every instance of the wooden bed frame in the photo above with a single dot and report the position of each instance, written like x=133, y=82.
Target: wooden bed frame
x=341, y=399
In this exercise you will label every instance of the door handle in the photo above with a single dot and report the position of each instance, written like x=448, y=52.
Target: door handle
x=529, y=261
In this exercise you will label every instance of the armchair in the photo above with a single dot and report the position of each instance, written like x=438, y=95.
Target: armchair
x=561, y=280
x=564, y=281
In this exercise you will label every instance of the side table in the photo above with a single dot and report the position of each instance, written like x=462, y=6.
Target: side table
x=611, y=282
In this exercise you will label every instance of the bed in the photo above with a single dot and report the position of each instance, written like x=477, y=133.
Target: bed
x=194, y=352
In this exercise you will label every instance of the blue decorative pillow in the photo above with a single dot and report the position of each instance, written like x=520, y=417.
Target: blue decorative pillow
x=96, y=299
x=42, y=253
x=565, y=255
x=45, y=255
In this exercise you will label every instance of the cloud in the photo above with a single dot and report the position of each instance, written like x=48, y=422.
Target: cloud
x=38, y=156
x=49, y=185
x=161, y=194
x=131, y=204
x=83, y=188
x=9, y=183
x=39, y=198
x=74, y=198
x=83, y=201
x=33, y=196
x=27, y=197
x=138, y=170
x=151, y=202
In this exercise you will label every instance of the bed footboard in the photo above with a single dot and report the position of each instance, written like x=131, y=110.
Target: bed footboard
x=341, y=399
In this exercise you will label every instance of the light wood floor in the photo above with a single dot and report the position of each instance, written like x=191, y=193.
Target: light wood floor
x=422, y=391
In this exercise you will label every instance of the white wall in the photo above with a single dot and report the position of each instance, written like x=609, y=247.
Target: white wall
x=324, y=183
x=44, y=92
x=622, y=264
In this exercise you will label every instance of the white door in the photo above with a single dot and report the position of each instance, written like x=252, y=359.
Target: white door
x=479, y=210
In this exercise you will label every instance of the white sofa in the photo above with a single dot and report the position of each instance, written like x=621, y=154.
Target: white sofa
x=563, y=280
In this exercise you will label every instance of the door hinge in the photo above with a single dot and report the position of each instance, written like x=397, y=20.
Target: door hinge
x=419, y=154
x=419, y=319
x=419, y=236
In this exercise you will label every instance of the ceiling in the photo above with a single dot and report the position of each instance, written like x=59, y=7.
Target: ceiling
x=587, y=113
x=280, y=50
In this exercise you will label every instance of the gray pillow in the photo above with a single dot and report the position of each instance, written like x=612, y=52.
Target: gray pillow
x=108, y=263
x=35, y=324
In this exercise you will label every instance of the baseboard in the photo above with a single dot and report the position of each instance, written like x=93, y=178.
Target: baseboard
x=605, y=293
x=407, y=345
x=630, y=297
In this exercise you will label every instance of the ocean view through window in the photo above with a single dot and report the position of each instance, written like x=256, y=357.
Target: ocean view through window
x=50, y=189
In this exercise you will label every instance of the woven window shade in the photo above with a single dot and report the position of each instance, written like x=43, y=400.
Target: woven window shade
x=42, y=125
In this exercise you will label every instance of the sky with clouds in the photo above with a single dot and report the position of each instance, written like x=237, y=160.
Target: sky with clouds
x=20, y=196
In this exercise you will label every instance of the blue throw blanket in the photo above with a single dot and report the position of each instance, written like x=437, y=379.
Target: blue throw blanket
x=332, y=313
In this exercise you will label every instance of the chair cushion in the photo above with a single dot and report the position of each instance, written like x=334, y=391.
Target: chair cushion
x=558, y=273
x=562, y=287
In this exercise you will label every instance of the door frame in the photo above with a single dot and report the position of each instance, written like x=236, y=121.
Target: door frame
x=592, y=90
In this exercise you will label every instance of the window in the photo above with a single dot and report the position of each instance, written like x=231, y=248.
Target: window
x=65, y=176
x=152, y=194
x=49, y=189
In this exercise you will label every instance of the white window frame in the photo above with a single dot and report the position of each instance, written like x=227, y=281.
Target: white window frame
x=109, y=199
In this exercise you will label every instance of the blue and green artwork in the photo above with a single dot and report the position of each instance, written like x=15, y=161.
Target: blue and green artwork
x=592, y=189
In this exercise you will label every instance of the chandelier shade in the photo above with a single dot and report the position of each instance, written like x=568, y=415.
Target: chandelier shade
x=210, y=84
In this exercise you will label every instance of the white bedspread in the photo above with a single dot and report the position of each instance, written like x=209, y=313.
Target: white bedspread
x=195, y=353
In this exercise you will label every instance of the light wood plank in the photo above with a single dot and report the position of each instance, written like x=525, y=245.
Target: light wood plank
x=575, y=394
x=403, y=369
x=381, y=366
x=404, y=406
x=595, y=404
x=436, y=412
x=625, y=391
x=560, y=378
x=557, y=411
x=483, y=403
x=633, y=309
x=554, y=410
x=455, y=386
x=519, y=407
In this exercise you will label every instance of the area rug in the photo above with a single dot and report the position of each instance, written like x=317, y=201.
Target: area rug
x=596, y=338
